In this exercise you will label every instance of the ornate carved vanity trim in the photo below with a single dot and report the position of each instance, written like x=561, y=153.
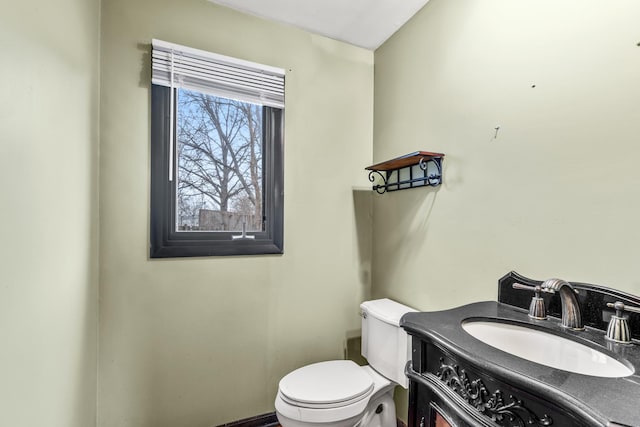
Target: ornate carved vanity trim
x=513, y=414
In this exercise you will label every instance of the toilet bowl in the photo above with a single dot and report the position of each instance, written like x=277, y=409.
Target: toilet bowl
x=336, y=393
x=339, y=393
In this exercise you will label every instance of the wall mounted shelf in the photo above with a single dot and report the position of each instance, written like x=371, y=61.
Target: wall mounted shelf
x=413, y=170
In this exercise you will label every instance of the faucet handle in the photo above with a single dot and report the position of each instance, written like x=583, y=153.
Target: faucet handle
x=620, y=306
x=537, y=310
x=618, y=329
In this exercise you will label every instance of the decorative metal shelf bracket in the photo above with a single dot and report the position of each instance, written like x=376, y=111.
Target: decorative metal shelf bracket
x=418, y=169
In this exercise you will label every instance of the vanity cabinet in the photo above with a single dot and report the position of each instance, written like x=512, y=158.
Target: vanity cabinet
x=459, y=380
x=450, y=390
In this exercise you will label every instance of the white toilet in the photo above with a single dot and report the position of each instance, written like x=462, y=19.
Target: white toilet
x=339, y=393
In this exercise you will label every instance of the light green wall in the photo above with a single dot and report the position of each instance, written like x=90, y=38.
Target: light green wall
x=48, y=255
x=556, y=193
x=200, y=342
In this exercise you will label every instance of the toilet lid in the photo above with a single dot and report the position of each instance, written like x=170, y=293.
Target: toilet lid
x=332, y=382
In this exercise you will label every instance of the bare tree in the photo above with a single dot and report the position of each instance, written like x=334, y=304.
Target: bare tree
x=220, y=156
x=254, y=125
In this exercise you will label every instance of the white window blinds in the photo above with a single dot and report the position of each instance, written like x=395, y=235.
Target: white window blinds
x=183, y=67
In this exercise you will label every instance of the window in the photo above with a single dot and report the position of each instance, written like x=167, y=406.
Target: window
x=216, y=155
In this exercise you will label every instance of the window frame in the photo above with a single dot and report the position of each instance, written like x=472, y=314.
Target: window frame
x=165, y=240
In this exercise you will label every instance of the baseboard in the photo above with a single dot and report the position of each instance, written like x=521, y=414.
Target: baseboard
x=264, y=420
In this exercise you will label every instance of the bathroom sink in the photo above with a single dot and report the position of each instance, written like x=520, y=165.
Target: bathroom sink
x=546, y=349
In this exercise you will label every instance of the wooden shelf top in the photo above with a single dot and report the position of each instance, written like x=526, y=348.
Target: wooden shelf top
x=404, y=161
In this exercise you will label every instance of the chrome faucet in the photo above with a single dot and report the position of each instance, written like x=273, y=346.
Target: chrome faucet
x=571, y=317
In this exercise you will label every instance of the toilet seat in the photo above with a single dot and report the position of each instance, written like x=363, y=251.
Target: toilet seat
x=336, y=414
x=331, y=384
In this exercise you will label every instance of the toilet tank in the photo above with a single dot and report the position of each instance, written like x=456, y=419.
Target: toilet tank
x=385, y=345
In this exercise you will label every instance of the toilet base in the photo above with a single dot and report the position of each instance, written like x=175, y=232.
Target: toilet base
x=288, y=422
x=381, y=412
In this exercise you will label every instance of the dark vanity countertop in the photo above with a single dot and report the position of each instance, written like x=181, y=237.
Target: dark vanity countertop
x=603, y=400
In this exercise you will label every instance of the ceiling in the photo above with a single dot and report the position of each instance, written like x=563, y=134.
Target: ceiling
x=364, y=23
